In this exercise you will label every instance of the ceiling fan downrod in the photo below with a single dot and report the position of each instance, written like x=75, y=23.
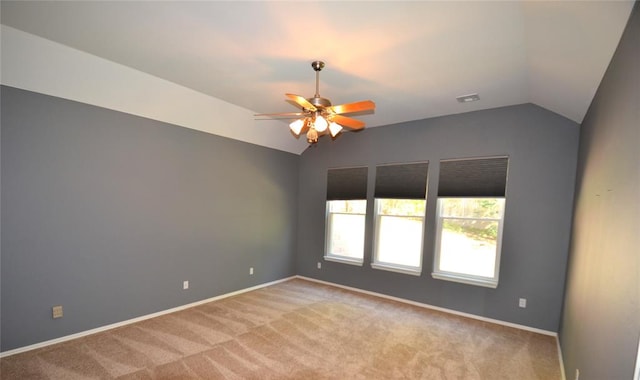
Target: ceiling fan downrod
x=317, y=100
x=317, y=66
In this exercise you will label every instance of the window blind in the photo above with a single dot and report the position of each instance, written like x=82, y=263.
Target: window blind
x=475, y=177
x=347, y=183
x=402, y=181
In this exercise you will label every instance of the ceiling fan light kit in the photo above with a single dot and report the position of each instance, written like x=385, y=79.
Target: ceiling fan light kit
x=296, y=126
x=334, y=129
x=319, y=117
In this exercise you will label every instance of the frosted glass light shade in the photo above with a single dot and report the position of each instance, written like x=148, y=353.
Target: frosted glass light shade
x=334, y=128
x=320, y=124
x=296, y=126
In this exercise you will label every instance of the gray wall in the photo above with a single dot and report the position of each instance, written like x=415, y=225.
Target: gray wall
x=601, y=319
x=106, y=214
x=542, y=147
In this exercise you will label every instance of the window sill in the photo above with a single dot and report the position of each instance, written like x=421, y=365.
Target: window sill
x=465, y=280
x=344, y=260
x=397, y=268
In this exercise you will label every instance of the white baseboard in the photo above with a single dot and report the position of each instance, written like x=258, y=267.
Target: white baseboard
x=442, y=309
x=564, y=375
x=137, y=319
x=216, y=298
x=636, y=373
x=450, y=311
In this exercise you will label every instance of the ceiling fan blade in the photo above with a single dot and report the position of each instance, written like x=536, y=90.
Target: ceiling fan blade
x=285, y=115
x=347, y=122
x=364, y=105
x=301, y=101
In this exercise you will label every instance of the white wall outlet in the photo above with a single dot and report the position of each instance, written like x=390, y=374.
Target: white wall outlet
x=57, y=311
x=522, y=303
x=319, y=265
x=185, y=285
x=251, y=271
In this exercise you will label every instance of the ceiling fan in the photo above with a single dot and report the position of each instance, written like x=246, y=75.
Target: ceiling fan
x=318, y=116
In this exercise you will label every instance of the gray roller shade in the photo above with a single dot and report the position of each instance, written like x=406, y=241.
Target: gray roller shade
x=402, y=181
x=347, y=183
x=483, y=177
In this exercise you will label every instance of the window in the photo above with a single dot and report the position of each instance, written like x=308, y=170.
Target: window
x=468, y=231
x=400, y=207
x=471, y=203
x=399, y=226
x=345, y=229
x=346, y=210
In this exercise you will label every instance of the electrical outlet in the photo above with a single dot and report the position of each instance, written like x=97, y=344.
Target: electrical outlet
x=251, y=271
x=185, y=285
x=57, y=311
x=319, y=265
x=522, y=303
x=577, y=374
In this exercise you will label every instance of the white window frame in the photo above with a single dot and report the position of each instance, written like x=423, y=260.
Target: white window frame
x=463, y=277
x=393, y=267
x=328, y=256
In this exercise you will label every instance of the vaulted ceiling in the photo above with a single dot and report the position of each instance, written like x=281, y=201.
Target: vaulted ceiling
x=195, y=63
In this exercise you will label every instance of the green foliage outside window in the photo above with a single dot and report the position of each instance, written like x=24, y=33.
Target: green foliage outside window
x=479, y=211
x=476, y=229
x=357, y=206
x=403, y=207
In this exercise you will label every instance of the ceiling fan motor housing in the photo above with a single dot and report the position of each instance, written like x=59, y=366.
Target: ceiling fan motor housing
x=320, y=102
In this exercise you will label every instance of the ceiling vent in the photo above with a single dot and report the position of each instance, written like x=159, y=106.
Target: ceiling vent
x=468, y=98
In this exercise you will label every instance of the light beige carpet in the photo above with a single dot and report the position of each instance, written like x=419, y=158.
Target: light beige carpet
x=297, y=330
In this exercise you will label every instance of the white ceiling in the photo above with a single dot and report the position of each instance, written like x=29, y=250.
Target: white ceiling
x=411, y=58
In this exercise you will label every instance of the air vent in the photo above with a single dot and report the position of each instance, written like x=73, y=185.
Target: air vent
x=468, y=98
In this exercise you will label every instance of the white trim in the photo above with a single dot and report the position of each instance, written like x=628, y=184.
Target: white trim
x=442, y=309
x=137, y=319
x=462, y=277
x=636, y=373
x=414, y=271
x=328, y=228
x=393, y=267
x=560, y=359
x=344, y=260
x=237, y=292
